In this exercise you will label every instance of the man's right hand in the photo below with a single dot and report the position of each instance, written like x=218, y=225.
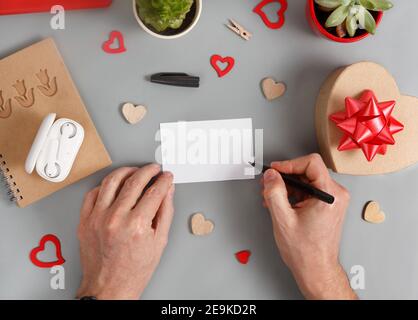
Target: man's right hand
x=308, y=233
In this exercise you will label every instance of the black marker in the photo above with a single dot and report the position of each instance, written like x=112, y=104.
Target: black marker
x=176, y=79
x=294, y=182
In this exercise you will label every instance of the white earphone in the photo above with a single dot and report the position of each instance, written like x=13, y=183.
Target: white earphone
x=55, y=148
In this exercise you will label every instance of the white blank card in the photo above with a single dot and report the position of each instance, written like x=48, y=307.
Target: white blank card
x=198, y=151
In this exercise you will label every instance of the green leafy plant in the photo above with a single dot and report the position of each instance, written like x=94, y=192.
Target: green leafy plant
x=351, y=15
x=163, y=14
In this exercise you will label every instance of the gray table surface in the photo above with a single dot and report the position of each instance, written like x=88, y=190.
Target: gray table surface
x=194, y=267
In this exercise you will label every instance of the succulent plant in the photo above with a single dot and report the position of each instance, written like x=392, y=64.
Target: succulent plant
x=163, y=14
x=351, y=15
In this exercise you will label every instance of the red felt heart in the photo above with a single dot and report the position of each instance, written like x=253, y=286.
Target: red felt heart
x=259, y=9
x=107, y=45
x=215, y=59
x=243, y=256
x=34, y=253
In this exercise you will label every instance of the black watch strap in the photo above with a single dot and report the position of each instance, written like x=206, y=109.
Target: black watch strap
x=88, y=298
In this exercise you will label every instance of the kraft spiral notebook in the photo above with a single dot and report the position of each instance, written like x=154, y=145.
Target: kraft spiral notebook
x=33, y=83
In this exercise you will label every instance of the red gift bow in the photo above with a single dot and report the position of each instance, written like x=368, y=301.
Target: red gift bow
x=367, y=124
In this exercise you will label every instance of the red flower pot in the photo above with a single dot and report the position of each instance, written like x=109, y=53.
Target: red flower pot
x=320, y=30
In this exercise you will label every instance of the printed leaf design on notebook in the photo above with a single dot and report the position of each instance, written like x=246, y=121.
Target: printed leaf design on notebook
x=5, y=106
x=48, y=88
x=26, y=99
x=40, y=65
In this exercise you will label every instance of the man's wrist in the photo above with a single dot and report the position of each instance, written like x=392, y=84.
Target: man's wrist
x=330, y=283
x=106, y=292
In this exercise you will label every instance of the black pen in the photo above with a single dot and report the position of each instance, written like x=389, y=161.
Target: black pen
x=176, y=79
x=294, y=182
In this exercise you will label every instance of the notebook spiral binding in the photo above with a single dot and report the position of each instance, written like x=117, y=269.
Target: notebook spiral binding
x=7, y=180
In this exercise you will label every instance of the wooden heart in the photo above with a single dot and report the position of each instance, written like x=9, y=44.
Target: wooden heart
x=372, y=213
x=133, y=114
x=201, y=226
x=351, y=81
x=272, y=89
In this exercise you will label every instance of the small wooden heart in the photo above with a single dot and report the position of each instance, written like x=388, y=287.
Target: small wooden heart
x=201, y=226
x=272, y=89
x=372, y=213
x=133, y=114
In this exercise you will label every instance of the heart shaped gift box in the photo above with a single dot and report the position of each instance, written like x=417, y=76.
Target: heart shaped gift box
x=351, y=82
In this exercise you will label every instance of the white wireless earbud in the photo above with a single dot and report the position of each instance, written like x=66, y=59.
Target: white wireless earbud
x=68, y=130
x=52, y=168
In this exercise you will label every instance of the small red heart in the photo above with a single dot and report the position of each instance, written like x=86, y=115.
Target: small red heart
x=34, y=253
x=243, y=256
x=107, y=45
x=280, y=14
x=215, y=59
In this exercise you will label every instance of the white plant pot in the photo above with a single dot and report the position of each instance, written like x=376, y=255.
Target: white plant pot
x=174, y=36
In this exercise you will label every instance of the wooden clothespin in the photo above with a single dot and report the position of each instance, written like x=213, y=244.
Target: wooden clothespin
x=238, y=29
